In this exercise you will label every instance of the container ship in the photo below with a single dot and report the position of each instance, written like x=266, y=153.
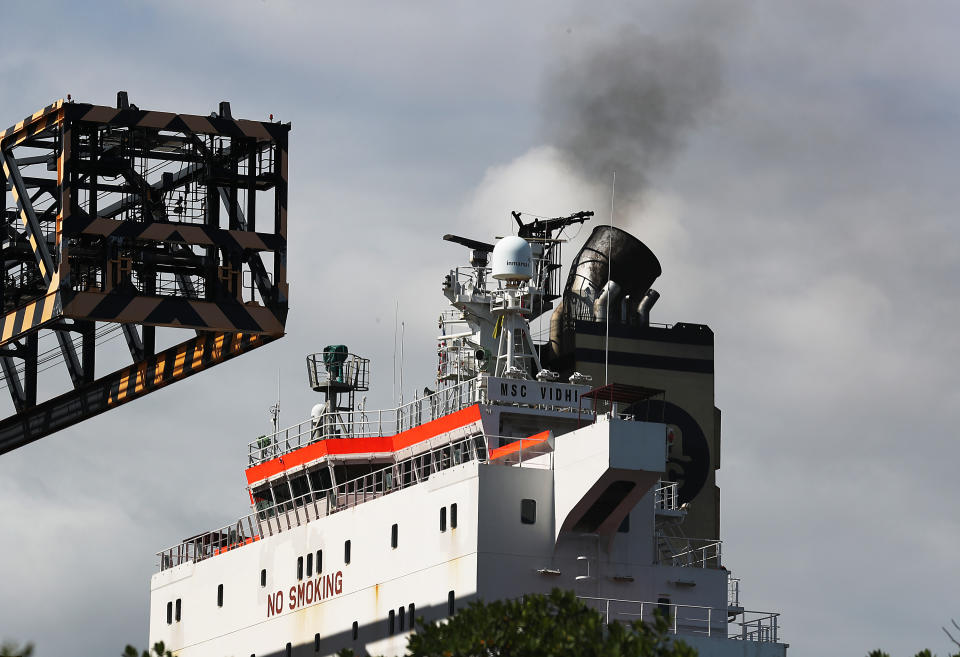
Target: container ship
x=582, y=459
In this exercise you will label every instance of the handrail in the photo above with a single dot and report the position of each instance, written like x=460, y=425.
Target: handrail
x=318, y=504
x=699, y=557
x=666, y=496
x=363, y=423
x=369, y=424
x=697, y=619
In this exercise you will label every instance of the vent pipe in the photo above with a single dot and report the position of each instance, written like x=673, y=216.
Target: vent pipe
x=646, y=303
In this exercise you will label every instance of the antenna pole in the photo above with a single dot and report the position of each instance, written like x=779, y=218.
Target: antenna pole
x=606, y=345
x=275, y=409
x=396, y=319
x=401, y=363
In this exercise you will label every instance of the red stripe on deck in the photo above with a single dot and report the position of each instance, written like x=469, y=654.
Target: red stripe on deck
x=517, y=445
x=338, y=446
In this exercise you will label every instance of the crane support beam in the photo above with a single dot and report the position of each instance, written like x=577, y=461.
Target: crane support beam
x=143, y=219
x=124, y=385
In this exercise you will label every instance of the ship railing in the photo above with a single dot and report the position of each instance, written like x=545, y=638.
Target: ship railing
x=522, y=452
x=287, y=514
x=759, y=626
x=363, y=423
x=706, y=555
x=665, y=497
x=209, y=544
x=733, y=591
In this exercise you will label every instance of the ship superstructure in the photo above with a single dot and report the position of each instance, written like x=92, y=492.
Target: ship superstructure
x=532, y=465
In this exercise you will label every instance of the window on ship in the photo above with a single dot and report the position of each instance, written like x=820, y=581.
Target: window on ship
x=319, y=561
x=281, y=491
x=528, y=511
x=299, y=567
x=310, y=565
x=346, y=552
x=300, y=488
x=453, y=516
x=220, y=595
x=320, y=479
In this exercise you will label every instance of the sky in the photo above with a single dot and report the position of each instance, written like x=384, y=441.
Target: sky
x=791, y=165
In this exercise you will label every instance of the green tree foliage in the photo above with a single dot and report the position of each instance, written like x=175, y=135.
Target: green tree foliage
x=13, y=649
x=552, y=625
x=159, y=650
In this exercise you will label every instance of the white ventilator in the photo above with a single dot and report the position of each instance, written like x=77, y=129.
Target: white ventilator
x=512, y=263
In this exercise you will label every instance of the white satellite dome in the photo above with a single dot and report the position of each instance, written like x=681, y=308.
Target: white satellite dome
x=512, y=260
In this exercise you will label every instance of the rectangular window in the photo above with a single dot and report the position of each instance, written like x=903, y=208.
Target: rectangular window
x=299, y=567
x=356, y=630
x=346, y=552
x=289, y=650
x=263, y=578
x=453, y=516
x=443, y=518
x=392, y=622
x=316, y=642
x=393, y=535
x=169, y=613
x=528, y=511
x=663, y=606
x=402, y=613
x=220, y=595
x=176, y=614
x=319, y=561
x=310, y=565
x=450, y=599
x=411, y=613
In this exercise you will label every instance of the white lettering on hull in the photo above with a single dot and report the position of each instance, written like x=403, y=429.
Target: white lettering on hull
x=535, y=392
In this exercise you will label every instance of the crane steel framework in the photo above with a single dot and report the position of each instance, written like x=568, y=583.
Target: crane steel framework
x=143, y=219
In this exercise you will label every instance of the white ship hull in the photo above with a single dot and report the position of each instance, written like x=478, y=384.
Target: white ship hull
x=490, y=554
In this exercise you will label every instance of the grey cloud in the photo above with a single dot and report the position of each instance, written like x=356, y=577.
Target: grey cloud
x=812, y=227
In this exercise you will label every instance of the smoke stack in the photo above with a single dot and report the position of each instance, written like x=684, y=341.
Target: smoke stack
x=613, y=269
x=609, y=254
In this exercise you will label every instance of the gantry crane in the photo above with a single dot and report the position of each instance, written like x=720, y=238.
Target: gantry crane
x=118, y=219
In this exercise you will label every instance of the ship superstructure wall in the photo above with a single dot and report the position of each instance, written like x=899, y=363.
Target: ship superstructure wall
x=680, y=361
x=473, y=530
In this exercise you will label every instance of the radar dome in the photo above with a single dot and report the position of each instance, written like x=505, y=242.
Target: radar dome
x=512, y=260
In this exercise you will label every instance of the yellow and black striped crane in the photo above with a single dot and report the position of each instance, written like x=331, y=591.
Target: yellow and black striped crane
x=118, y=219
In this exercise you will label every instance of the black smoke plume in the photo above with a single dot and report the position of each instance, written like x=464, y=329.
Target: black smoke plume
x=625, y=103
